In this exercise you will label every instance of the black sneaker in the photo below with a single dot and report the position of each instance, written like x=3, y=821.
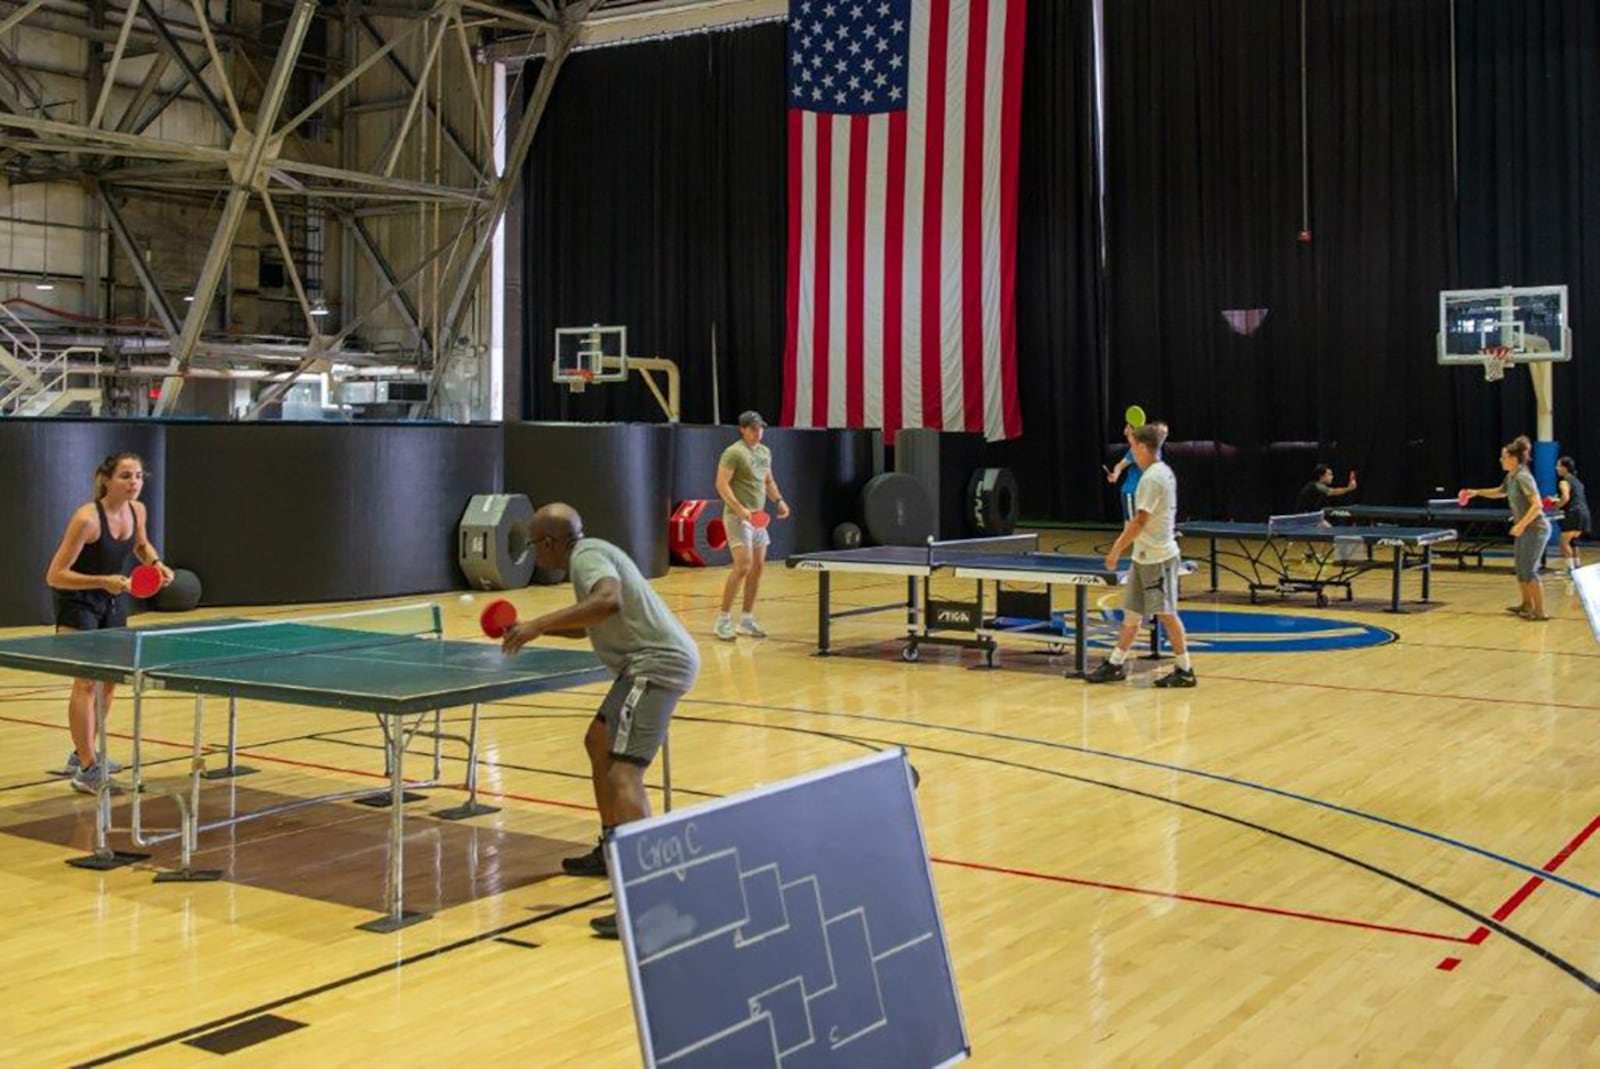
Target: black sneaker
x=591, y=864
x=1106, y=672
x=605, y=927
x=1178, y=677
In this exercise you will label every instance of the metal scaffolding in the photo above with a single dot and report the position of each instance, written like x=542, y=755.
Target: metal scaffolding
x=410, y=222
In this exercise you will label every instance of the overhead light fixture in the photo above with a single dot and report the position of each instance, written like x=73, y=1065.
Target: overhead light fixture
x=189, y=299
x=46, y=285
x=319, y=307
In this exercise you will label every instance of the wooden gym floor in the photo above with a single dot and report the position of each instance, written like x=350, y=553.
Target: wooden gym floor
x=1310, y=858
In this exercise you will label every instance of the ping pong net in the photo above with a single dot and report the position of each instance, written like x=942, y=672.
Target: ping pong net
x=195, y=647
x=1293, y=523
x=953, y=550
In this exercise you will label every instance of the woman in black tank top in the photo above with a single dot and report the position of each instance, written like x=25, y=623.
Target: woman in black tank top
x=1574, y=505
x=90, y=588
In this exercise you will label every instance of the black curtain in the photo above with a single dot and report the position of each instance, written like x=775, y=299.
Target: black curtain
x=656, y=200
x=1213, y=176
x=1059, y=293
x=1529, y=157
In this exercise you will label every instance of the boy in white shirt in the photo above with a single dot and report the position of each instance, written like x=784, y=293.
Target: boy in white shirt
x=1153, y=585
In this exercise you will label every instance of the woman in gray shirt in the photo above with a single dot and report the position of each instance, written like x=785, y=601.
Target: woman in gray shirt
x=1529, y=526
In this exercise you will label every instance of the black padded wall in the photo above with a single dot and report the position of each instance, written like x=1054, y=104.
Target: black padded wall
x=617, y=475
x=821, y=473
x=47, y=467
x=323, y=512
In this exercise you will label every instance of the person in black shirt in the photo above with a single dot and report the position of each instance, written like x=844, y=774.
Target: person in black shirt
x=1574, y=504
x=1315, y=495
x=91, y=592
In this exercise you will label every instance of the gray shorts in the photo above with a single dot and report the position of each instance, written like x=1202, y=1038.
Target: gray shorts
x=1529, y=551
x=636, y=713
x=743, y=535
x=1152, y=588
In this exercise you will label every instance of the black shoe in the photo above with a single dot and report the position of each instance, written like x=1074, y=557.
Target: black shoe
x=1106, y=672
x=605, y=927
x=1178, y=677
x=591, y=864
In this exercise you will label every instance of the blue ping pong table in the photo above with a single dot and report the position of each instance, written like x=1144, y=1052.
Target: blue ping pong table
x=1477, y=528
x=967, y=624
x=1301, y=553
x=392, y=663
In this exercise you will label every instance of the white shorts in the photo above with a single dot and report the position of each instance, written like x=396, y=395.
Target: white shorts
x=743, y=535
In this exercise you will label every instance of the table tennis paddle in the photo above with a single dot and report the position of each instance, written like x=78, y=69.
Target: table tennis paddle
x=497, y=617
x=1463, y=497
x=145, y=581
x=1134, y=416
x=760, y=519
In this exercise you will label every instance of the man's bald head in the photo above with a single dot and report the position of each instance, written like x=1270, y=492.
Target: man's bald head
x=554, y=529
x=558, y=521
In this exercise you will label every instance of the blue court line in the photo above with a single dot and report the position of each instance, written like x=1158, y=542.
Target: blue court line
x=1217, y=776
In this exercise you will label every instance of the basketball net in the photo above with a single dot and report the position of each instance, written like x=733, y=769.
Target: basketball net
x=578, y=380
x=1495, y=361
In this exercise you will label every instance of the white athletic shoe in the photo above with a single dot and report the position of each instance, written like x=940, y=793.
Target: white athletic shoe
x=724, y=629
x=748, y=626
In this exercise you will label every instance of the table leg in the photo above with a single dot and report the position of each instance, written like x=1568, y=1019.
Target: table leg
x=824, y=612
x=1080, y=629
x=233, y=768
x=104, y=858
x=471, y=807
x=395, y=916
x=666, y=772
x=189, y=809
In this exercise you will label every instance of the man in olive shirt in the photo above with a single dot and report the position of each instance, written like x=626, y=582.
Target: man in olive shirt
x=744, y=482
x=646, y=649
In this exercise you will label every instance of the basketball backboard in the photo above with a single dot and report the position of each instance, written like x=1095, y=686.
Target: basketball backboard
x=1528, y=322
x=600, y=351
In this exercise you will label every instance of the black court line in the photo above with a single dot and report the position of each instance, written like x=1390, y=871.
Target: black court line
x=1542, y=952
x=344, y=981
x=245, y=1034
x=523, y=943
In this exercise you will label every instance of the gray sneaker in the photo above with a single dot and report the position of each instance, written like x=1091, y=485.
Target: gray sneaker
x=724, y=629
x=748, y=626
x=88, y=781
x=74, y=766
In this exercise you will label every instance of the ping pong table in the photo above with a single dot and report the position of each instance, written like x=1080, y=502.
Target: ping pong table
x=392, y=663
x=1477, y=528
x=1283, y=556
x=999, y=561
x=1587, y=582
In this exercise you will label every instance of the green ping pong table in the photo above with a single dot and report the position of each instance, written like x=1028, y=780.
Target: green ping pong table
x=392, y=663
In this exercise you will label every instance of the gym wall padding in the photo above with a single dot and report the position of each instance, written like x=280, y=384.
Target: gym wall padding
x=617, y=475
x=821, y=473
x=47, y=467
x=297, y=512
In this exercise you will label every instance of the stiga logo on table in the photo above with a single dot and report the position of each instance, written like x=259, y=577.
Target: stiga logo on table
x=953, y=615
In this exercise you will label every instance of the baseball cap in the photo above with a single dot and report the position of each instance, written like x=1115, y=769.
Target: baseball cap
x=751, y=419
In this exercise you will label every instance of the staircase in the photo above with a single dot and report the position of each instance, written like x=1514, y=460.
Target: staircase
x=36, y=381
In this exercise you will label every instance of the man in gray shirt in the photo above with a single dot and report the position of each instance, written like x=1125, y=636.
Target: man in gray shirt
x=637, y=637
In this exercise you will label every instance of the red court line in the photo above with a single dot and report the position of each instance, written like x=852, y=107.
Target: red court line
x=1514, y=903
x=1320, y=918
x=274, y=759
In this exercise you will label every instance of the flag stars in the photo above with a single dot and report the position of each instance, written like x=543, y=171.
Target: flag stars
x=898, y=26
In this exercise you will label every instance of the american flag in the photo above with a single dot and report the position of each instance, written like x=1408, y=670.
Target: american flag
x=903, y=131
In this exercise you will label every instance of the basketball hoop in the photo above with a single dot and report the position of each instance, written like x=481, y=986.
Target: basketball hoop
x=579, y=379
x=1495, y=361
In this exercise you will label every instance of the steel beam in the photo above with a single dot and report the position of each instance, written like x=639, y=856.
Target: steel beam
x=190, y=71
x=468, y=280
x=247, y=177
x=141, y=267
x=410, y=81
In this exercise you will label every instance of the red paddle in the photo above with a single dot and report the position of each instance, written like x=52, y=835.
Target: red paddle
x=1463, y=497
x=497, y=616
x=146, y=580
x=760, y=519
